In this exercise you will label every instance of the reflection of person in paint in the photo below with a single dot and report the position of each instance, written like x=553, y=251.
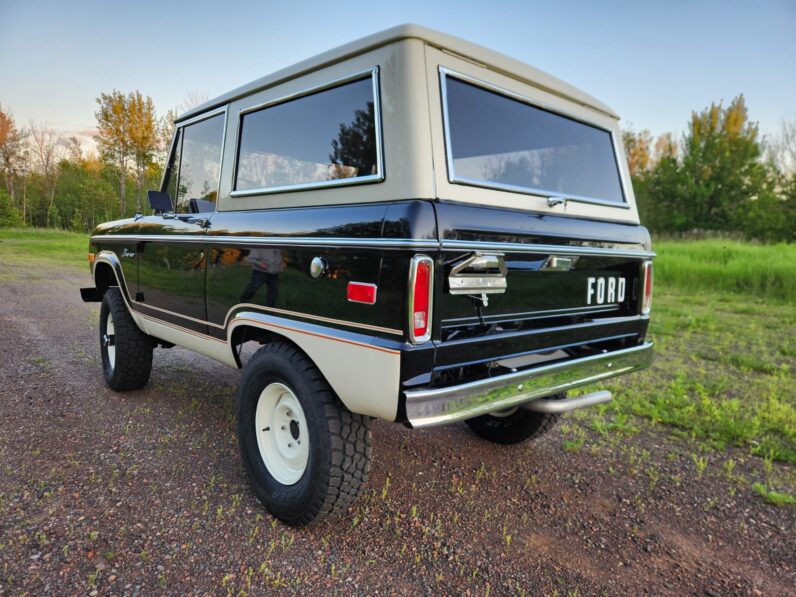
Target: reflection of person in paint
x=266, y=266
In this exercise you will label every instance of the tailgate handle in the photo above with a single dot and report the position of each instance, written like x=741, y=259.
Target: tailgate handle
x=479, y=274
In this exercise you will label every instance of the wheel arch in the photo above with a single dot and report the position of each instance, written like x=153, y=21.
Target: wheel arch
x=104, y=277
x=364, y=376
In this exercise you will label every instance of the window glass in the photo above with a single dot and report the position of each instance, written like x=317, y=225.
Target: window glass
x=326, y=136
x=200, y=164
x=174, y=167
x=499, y=141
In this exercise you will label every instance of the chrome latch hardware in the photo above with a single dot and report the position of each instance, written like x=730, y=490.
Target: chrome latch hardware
x=554, y=200
x=479, y=274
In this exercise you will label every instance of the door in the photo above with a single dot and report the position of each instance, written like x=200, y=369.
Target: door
x=172, y=252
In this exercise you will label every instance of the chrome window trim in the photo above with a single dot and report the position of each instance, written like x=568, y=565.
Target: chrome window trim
x=373, y=73
x=412, y=275
x=377, y=243
x=485, y=184
x=466, y=245
x=178, y=126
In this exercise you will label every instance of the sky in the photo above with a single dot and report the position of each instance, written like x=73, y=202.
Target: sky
x=653, y=63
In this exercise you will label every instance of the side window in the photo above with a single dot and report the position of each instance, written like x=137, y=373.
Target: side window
x=199, y=154
x=174, y=166
x=319, y=139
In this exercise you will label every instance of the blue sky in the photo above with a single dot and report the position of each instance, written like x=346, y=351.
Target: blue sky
x=651, y=62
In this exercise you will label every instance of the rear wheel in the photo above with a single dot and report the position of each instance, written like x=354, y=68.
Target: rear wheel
x=307, y=456
x=126, y=351
x=513, y=425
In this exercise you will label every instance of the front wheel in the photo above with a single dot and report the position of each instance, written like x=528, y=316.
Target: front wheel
x=307, y=456
x=512, y=426
x=126, y=351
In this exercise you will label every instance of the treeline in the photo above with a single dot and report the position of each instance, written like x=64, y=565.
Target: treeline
x=48, y=181
x=721, y=177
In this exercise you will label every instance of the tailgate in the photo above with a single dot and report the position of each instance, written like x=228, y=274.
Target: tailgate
x=572, y=288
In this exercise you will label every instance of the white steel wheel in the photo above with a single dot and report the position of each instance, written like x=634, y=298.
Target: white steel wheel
x=109, y=341
x=282, y=434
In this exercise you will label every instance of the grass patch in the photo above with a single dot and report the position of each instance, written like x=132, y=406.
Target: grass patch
x=721, y=377
x=26, y=245
x=777, y=498
x=767, y=271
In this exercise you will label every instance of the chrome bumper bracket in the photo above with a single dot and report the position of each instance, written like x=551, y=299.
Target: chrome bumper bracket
x=553, y=407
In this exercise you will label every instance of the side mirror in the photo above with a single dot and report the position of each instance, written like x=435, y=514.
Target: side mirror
x=160, y=201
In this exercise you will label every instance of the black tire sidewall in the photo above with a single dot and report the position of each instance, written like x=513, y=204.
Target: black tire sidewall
x=517, y=427
x=133, y=362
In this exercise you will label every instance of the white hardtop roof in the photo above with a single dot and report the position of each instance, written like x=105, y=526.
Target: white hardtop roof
x=489, y=58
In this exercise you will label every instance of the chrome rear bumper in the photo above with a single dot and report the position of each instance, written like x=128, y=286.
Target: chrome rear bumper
x=437, y=406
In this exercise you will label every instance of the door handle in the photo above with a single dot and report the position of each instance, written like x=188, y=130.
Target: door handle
x=198, y=220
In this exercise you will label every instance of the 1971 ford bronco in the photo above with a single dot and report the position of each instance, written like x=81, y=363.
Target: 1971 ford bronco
x=413, y=227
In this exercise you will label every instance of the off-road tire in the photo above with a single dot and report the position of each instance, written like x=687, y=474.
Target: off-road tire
x=339, y=453
x=519, y=426
x=133, y=360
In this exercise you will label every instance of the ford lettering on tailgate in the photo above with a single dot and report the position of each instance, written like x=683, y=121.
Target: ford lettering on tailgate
x=605, y=290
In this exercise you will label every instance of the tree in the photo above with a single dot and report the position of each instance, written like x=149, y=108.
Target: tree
x=113, y=138
x=781, y=149
x=638, y=148
x=144, y=140
x=127, y=137
x=716, y=180
x=12, y=143
x=46, y=154
x=9, y=216
x=165, y=134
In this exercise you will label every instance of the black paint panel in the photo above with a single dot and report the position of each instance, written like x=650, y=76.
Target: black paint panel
x=171, y=275
x=489, y=224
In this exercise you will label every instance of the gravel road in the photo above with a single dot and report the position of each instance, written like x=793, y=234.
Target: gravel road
x=144, y=493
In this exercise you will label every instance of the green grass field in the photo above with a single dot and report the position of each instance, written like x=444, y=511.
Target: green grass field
x=54, y=246
x=724, y=324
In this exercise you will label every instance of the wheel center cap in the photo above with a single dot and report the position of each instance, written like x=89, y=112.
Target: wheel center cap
x=294, y=429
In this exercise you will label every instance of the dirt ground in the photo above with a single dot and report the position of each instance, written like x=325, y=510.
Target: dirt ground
x=144, y=493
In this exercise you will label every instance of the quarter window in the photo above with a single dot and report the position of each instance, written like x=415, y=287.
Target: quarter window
x=324, y=138
x=196, y=164
x=499, y=141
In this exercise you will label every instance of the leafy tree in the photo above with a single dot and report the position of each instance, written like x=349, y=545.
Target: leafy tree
x=9, y=216
x=127, y=137
x=143, y=130
x=12, y=143
x=715, y=180
x=638, y=148
x=113, y=138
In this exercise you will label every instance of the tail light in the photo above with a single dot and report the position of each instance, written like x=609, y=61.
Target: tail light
x=646, y=299
x=421, y=285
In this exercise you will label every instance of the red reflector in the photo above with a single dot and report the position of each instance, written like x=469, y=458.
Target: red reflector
x=360, y=292
x=421, y=297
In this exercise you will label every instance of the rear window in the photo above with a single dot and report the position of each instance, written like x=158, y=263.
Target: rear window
x=321, y=138
x=498, y=140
